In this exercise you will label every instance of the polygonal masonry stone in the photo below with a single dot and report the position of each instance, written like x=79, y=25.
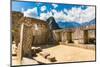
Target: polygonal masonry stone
x=36, y=49
x=44, y=54
x=51, y=58
x=14, y=49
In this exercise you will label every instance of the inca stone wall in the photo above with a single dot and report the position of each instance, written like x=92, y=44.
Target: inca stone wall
x=15, y=26
x=39, y=28
x=27, y=41
x=57, y=36
x=82, y=36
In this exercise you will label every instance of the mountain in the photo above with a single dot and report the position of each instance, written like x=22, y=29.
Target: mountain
x=58, y=25
x=52, y=23
x=68, y=24
x=92, y=22
x=75, y=24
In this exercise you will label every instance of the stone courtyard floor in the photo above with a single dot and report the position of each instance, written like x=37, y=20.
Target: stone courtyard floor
x=62, y=53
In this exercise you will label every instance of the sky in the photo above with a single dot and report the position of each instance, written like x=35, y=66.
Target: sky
x=61, y=12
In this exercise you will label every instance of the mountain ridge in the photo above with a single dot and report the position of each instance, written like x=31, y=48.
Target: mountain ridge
x=58, y=25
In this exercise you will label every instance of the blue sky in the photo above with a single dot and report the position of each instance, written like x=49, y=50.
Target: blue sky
x=61, y=12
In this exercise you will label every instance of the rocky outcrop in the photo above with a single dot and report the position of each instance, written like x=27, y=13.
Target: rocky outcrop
x=52, y=23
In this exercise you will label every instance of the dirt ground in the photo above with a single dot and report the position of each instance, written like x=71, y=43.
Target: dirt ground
x=65, y=53
x=62, y=53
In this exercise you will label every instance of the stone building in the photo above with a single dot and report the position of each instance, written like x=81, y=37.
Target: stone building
x=35, y=32
x=39, y=27
x=40, y=30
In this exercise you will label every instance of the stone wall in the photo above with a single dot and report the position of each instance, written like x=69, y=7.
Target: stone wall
x=40, y=30
x=78, y=35
x=15, y=26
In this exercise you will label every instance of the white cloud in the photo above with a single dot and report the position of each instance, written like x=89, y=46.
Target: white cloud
x=73, y=15
x=53, y=11
x=65, y=10
x=54, y=5
x=88, y=14
x=31, y=12
x=43, y=8
x=38, y=4
x=59, y=16
x=22, y=10
x=44, y=16
x=79, y=15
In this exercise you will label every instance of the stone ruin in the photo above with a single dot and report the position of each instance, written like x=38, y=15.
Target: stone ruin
x=37, y=32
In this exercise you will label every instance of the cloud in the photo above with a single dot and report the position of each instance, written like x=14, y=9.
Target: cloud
x=22, y=10
x=44, y=16
x=31, y=12
x=43, y=8
x=59, y=16
x=79, y=15
x=65, y=10
x=54, y=5
x=88, y=14
x=73, y=15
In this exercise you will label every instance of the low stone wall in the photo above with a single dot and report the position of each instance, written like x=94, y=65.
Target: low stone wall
x=76, y=44
x=86, y=46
